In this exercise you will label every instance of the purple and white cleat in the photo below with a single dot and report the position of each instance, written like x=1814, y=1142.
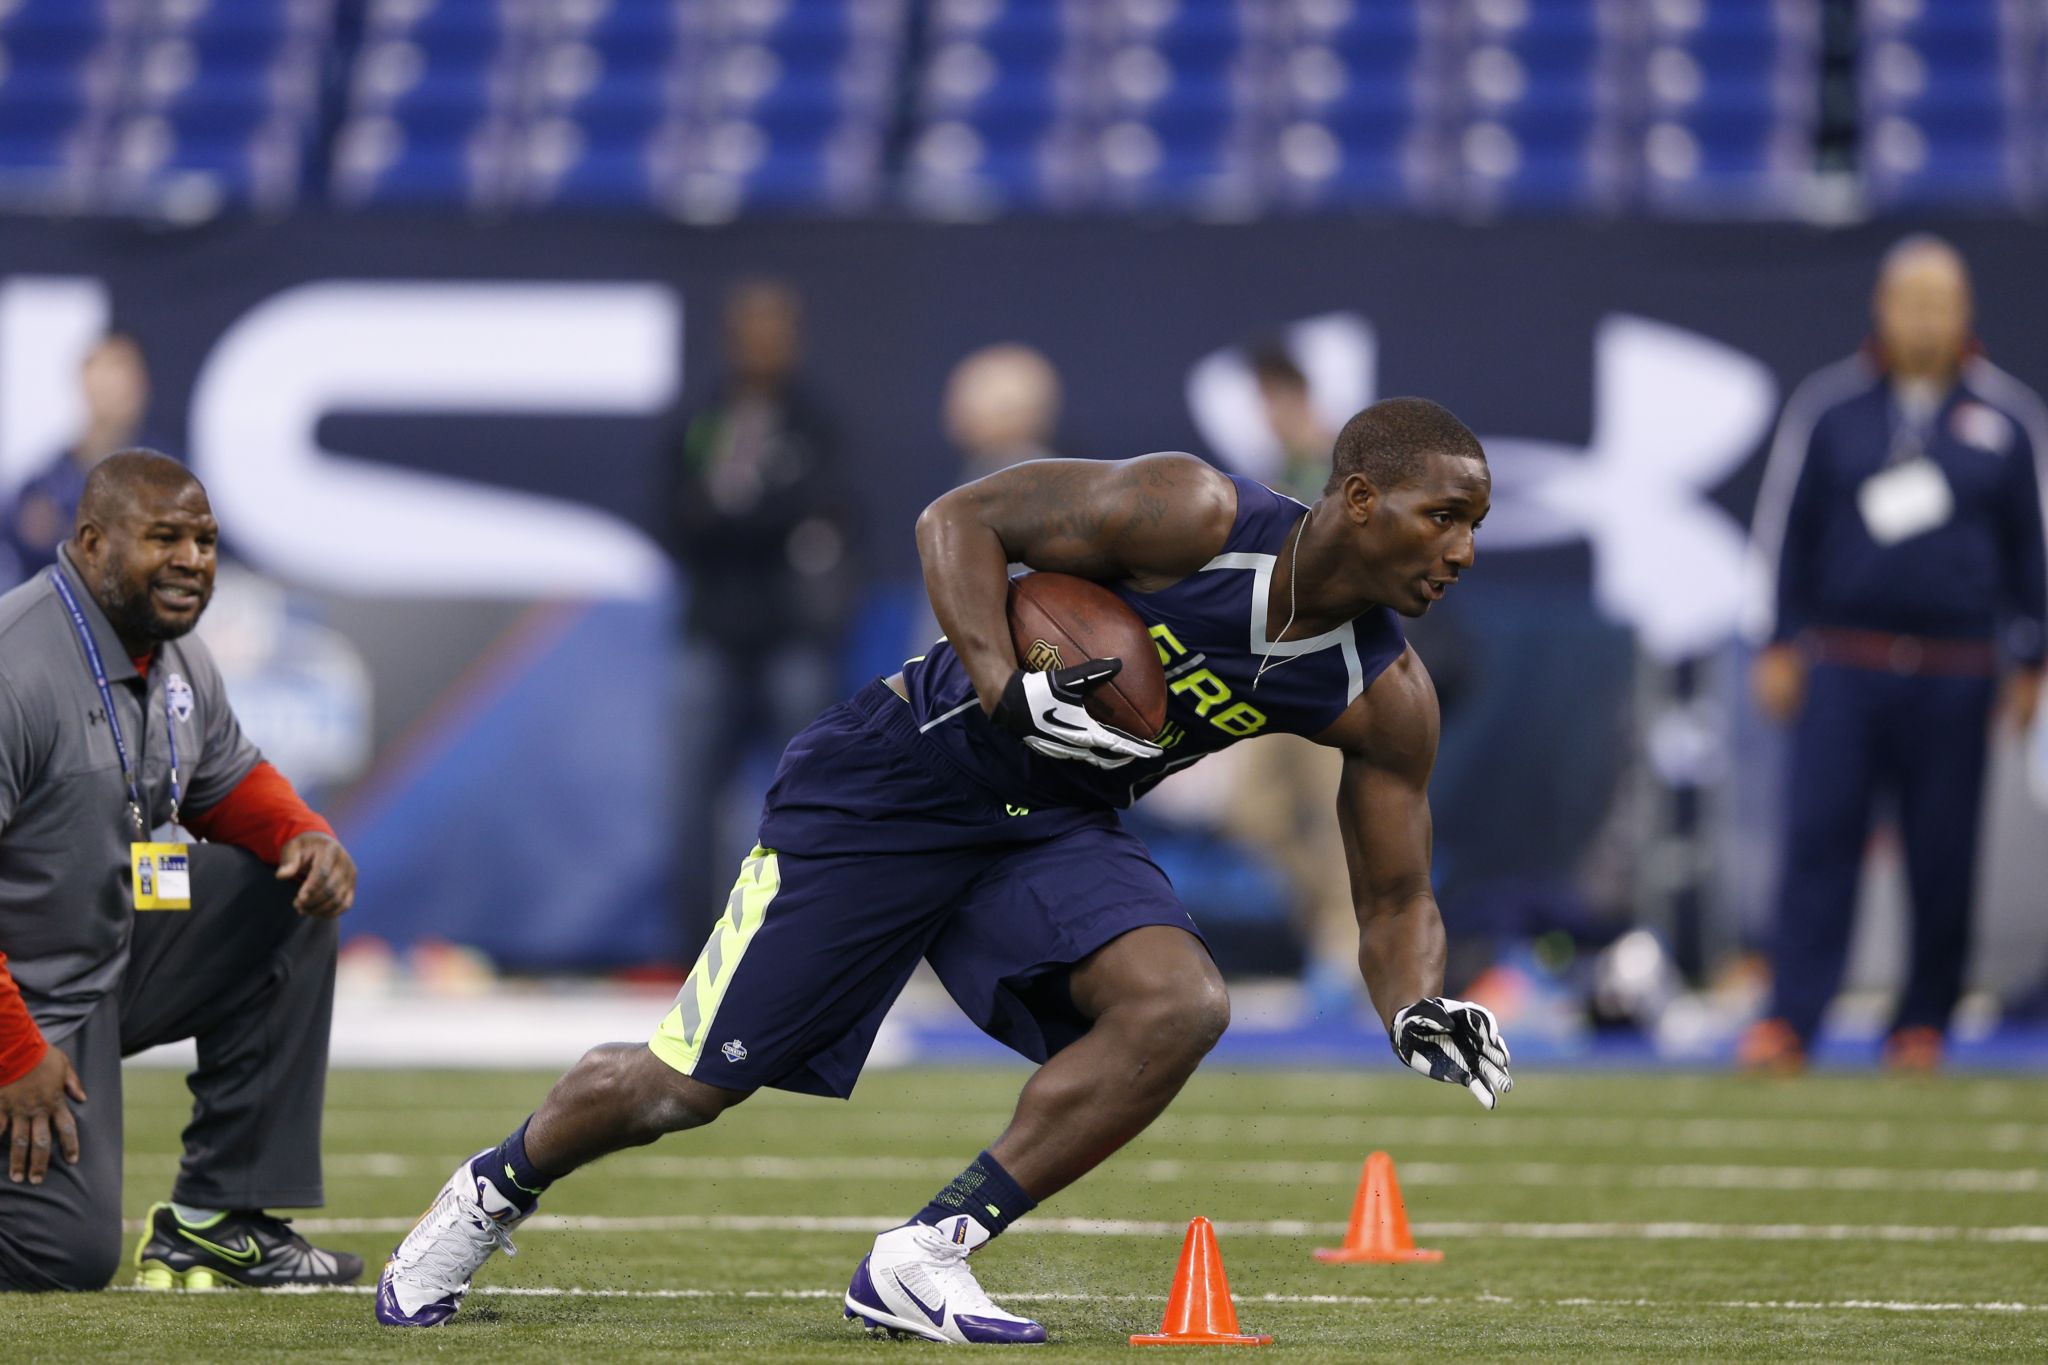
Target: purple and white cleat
x=916, y=1281
x=429, y=1272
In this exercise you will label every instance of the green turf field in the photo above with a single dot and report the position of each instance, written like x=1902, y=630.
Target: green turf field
x=1592, y=1218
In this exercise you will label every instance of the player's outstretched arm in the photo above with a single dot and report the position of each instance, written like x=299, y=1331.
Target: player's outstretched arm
x=1158, y=518
x=1389, y=742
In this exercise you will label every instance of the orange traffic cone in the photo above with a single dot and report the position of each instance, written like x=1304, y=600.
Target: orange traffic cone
x=1199, y=1311
x=1379, y=1221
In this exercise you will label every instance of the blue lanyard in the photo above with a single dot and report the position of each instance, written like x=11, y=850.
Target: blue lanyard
x=99, y=676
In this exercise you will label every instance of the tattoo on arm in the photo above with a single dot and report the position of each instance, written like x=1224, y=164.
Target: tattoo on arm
x=1154, y=514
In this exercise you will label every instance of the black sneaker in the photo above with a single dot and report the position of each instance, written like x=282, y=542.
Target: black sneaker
x=243, y=1247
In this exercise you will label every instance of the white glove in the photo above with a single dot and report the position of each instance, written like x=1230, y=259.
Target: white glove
x=1049, y=712
x=1455, y=1041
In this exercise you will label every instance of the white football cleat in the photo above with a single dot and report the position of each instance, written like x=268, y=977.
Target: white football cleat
x=429, y=1272
x=916, y=1280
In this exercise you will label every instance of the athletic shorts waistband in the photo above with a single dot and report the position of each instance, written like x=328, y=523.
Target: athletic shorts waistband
x=889, y=715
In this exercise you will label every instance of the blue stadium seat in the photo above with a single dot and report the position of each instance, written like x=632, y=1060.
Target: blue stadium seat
x=229, y=37
x=619, y=111
x=27, y=83
x=1022, y=37
x=625, y=25
x=608, y=174
x=33, y=49
x=1536, y=158
x=218, y=115
x=1725, y=159
x=438, y=172
x=1560, y=41
x=50, y=19
x=37, y=125
x=627, y=52
x=1182, y=154
x=454, y=86
x=1013, y=115
x=960, y=167
x=1362, y=26
x=1960, y=155
x=227, y=164
x=809, y=37
x=1378, y=55
x=1358, y=159
x=1208, y=39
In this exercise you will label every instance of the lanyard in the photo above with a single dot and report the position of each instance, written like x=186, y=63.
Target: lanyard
x=1911, y=435
x=99, y=676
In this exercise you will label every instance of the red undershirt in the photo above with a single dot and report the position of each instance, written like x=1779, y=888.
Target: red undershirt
x=262, y=814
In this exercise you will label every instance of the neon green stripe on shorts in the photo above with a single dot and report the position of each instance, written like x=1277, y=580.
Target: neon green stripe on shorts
x=680, y=1039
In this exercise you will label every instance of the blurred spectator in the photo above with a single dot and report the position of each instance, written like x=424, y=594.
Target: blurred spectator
x=1305, y=441
x=1002, y=408
x=114, y=382
x=759, y=525
x=1901, y=513
x=1294, y=821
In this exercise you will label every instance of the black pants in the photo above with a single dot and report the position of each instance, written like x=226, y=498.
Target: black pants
x=253, y=983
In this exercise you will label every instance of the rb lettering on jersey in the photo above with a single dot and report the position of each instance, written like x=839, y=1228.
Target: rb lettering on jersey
x=1206, y=690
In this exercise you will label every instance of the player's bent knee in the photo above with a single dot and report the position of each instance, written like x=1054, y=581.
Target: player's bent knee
x=647, y=1096
x=677, y=1101
x=87, y=1261
x=1205, y=1016
x=1174, y=1030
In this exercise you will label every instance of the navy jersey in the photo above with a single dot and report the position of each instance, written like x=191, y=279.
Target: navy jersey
x=1210, y=631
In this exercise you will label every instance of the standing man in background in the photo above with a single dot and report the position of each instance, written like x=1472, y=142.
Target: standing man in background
x=113, y=382
x=1002, y=407
x=759, y=526
x=116, y=935
x=1901, y=514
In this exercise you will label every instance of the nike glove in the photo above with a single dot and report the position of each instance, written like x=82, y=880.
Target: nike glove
x=1455, y=1041
x=1049, y=712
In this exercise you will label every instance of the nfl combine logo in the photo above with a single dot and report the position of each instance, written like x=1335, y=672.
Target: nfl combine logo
x=735, y=1051
x=178, y=693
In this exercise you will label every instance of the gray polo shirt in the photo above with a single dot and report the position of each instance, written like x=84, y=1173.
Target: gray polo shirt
x=65, y=905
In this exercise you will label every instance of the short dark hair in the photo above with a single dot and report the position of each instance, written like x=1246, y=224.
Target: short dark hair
x=114, y=481
x=1271, y=364
x=1390, y=441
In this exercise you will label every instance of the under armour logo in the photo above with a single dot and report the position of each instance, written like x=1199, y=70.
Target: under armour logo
x=96, y=716
x=1674, y=414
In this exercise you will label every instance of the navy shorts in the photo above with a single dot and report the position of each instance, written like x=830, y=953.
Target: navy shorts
x=876, y=851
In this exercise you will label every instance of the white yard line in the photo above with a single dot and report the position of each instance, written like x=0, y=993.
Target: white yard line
x=1717, y=1134
x=1365, y=1129
x=1949, y=1180
x=1277, y=1227
x=1318, y=1300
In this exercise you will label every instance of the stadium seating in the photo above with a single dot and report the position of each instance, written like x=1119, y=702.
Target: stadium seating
x=1950, y=103
x=175, y=107
x=1731, y=105
x=707, y=108
x=690, y=106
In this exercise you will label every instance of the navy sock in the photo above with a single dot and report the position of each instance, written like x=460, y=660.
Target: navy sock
x=507, y=1168
x=985, y=1191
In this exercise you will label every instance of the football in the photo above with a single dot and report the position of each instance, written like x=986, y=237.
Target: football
x=1058, y=620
